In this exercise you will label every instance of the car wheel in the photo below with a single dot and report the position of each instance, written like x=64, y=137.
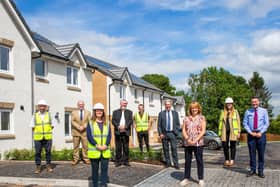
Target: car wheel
x=180, y=142
x=212, y=145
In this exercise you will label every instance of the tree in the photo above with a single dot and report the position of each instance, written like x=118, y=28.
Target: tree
x=160, y=81
x=187, y=97
x=212, y=86
x=260, y=90
x=274, y=127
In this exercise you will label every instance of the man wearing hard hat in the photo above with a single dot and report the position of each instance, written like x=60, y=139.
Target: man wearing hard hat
x=42, y=125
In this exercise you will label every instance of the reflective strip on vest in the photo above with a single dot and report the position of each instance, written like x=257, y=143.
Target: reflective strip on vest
x=142, y=124
x=100, y=139
x=43, y=128
x=234, y=123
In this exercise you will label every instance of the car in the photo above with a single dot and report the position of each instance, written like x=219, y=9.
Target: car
x=211, y=140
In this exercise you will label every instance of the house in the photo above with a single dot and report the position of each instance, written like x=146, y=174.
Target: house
x=33, y=68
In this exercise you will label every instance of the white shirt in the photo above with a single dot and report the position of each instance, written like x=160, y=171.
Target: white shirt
x=122, y=121
x=42, y=115
x=171, y=120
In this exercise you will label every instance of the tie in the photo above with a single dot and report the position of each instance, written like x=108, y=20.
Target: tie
x=81, y=115
x=168, y=121
x=255, y=119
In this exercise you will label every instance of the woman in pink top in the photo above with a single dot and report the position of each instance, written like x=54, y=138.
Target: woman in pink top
x=193, y=130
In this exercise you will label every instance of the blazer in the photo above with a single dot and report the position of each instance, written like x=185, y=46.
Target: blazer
x=76, y=122
x=117, y=114
x=162, y=122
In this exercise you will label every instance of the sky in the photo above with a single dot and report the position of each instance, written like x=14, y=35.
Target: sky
x=170, y=37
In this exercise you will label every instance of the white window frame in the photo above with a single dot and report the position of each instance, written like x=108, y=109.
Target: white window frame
x=122, y=91
x=45, y=68
x=69, y=125
x=136, y=94
x=151, y=98
x=11, y=128
x=10, y=61
x=72, y=76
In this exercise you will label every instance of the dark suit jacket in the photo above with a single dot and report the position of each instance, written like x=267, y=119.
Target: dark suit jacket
x=117, y=114
x=162, y=122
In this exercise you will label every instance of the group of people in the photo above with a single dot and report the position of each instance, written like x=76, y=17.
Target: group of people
x=94, y=133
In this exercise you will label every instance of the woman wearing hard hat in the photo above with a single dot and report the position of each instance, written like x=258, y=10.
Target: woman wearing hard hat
x=229, y=131
x=99, y=138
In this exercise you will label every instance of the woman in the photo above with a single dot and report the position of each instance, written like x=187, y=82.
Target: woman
x=229, y=131
x=193, y=130
x=99, y=138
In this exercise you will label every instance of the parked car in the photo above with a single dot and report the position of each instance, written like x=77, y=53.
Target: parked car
x=211, y=140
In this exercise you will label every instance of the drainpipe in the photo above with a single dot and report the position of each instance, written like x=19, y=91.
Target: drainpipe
x=161, y=98
x=144, y=96
x=109, y=91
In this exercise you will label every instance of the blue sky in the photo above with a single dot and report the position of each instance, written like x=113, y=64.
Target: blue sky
x=172, y=37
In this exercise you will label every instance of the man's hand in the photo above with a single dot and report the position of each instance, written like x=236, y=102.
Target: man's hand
x=238, y=135
x=161, y=136
x=258, y=134
x=253, y=134
x=99, y=147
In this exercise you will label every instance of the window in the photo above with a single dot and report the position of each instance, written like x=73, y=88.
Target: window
x=67, y=124
x=72, y=76
x=135, y=94
x=122, y=92
x=5, y=120
x=4, y=58
x=151, y=98
x=40, y=68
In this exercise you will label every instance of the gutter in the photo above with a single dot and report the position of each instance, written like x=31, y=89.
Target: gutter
x=109, y=91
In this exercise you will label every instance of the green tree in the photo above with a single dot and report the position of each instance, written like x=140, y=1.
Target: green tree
x=275, y=126
x=160, y=81
x=210, y=88
x=261, y=90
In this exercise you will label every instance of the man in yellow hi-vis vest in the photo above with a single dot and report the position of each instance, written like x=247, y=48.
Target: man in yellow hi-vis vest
x=142, y=125
x=42, y=125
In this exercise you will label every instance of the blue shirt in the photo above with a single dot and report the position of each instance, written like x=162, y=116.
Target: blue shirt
x=263, y=121
x=90, y=136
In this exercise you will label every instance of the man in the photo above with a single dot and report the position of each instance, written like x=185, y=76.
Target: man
x=80, y=119
x=142, y=125
x=256, y=123
x=122, y=122
x=168, y=130
x=42, y=125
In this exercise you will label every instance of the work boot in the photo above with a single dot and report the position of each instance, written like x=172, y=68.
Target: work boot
x=38, y=169
x=49, y=168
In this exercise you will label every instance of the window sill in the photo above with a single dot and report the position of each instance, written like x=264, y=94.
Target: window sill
x=42, y=79
x=73, y=88
x=151, y=105
x=7, y=76
x=136, y=101
x=68, y=140
x=7, y=136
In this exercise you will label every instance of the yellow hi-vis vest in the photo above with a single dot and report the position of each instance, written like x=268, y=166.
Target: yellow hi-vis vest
x=43, y=128
x=100, y=138
x=142, y=124
x=234, y=123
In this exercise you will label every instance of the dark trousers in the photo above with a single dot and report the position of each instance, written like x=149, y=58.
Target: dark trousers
x=229, y=148
x=256, y=144
x=170, y=138
x=198, y=153
x=95, y=171
x=122, y=151
x=47, y=145
x=143, y=136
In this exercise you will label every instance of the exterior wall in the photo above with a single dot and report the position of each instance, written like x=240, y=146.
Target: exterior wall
x=16, y=90
x=99, y=89
x=56, y=93
x=181, y=111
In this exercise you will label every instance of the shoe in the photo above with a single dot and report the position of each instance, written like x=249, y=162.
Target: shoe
x=167, y=165
x=87, y=162
x=231, y=163
x=177, y=167
x=126, y=164
x=49, y=168
x=261, y=175
x=184, y=182
x=75, y=162
x=117, y=164
x=226, y=163
x=38, y=169
x=251, y=173
x=201, y=183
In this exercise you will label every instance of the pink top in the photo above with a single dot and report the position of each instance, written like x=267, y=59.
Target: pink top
x=193, y=128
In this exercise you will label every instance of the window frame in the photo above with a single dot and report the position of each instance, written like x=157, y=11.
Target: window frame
x=10, y=60
x=72, y=76
x=122, y=91
x=69, y=125
x=151, y=98
x=11, y=127
x=45, y=69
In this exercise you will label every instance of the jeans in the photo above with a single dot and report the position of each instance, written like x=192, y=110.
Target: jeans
x=143, y=135
x=198, y=152
x=122, y=151
x=47, y=145
x=256, y=144
x=95, y=171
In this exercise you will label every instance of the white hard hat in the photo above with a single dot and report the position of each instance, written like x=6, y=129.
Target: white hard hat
x=229, y=100
x=98, y=106
x=42, y=102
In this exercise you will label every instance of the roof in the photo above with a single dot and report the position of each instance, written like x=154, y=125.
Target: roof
x=117, y=72
x=180, y=100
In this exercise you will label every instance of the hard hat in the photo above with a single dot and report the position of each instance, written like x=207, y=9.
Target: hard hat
x=229, y=100
x=42, y=102
x=98, y=106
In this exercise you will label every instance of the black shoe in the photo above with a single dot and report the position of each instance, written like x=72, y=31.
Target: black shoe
x=167, y=165
x=251, y=173
x=126, y=164
x=117, y=164
x=261, y=175
x=177, y=167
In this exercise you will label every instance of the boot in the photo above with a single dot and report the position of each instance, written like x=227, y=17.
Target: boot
x=38, y=169
x=49, y=168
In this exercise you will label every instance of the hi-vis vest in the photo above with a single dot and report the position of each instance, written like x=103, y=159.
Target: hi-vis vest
x=234, y=123
x=142, y=124
x=100, y=138
x=43, y=128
